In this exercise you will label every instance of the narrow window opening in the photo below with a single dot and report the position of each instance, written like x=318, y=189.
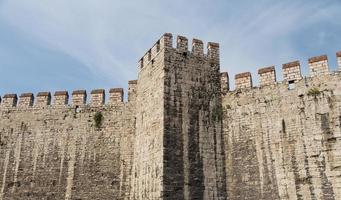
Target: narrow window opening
x=149, y=55
x=77, y=109
x=291, y=85
x=283, y=127
x=141, y=63
x=158, y=46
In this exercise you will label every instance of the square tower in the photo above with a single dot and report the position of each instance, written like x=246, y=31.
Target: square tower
x=178, y=142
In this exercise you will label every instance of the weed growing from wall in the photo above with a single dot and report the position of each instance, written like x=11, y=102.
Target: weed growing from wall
x=98, y=119
x=314, y=92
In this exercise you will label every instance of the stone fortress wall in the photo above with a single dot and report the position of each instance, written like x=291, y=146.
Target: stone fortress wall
x=182, y=134
x=283, y=138
x=50, y=149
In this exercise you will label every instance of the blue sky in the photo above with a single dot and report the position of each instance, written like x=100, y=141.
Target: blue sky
x=85, y=44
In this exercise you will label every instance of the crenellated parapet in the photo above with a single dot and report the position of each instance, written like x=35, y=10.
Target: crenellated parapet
x=9, y=100
x=132, y=87
x=116, y=95
x=318, y=66
x=79, y=97
x=197, y=47
x=291, y=72
x=97, y=97
x=213, y=52
x=164, y=42
x=267, y=76
x=182, y=45
x=243, y=80
x=62, y=99
x=43, y=99
x=26, y=100
x=338, y=55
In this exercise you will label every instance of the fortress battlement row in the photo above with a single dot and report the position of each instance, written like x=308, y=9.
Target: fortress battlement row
x=61, y=98
x=318, y=66
x=182, y=134
x=166, y=41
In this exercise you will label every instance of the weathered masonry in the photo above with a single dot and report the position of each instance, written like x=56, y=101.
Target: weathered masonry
x=182, y=134
x=56, y=151
x=283, y=139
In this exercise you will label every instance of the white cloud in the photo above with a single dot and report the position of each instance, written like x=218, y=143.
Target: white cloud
x=109, y=36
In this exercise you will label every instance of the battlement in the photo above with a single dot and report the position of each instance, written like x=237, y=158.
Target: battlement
x=338, y=55
x=318, y=66
x=9, y=100
x=292, y=71
x=243, y=80
x=116, y=95
x=61, y=98
x=43, y=99
x=26, y=100
x=166, y=41
x=97, y=97
x=267, y=75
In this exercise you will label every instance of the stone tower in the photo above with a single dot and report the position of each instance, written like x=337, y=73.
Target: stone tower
x=178, y=143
